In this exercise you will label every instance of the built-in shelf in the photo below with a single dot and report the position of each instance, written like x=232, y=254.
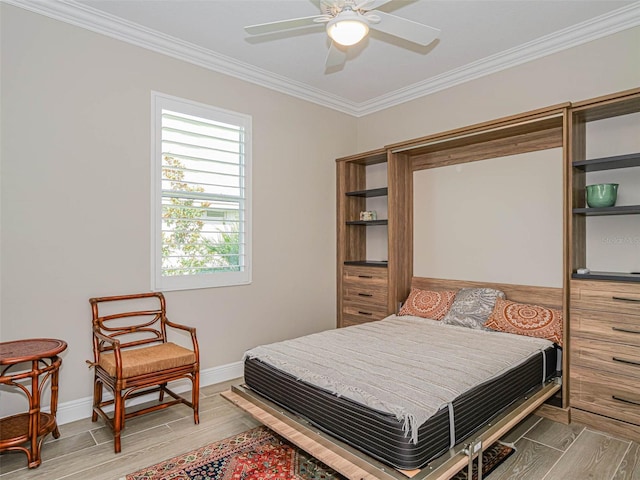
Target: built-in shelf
x=622, y=210
x=372, y=192
x=362, y=244
x=609, y=163
x=367, y=222
x=367, y=263
x=611, y=276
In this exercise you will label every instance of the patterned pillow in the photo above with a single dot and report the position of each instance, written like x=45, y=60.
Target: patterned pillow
x=472, y=307
x=524, y=319
x=427, y=303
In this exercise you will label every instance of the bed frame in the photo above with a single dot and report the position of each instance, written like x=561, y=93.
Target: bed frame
x=549, y=297
x=354, y=464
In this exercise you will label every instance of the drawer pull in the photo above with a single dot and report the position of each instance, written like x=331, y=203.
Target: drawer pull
x=364, y=313
x=365, y=276
x=617, y=329
x=620, y=399
x=623, y=299
x=365, y=294
x=622, y=360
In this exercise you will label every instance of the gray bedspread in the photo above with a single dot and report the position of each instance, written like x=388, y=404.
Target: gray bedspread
x=407, y=366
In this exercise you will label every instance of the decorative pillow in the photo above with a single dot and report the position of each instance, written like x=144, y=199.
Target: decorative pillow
x=472, y=307
x=524, y=319
x=427, y=303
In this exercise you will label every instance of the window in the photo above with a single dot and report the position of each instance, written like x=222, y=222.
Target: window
x=201, y=170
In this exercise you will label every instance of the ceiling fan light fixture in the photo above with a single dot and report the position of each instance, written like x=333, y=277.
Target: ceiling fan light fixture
x=347, y=28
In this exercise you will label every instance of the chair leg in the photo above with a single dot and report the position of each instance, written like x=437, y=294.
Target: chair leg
x=97, y=398
x=195, y=397
x=162, y=387
x=118, y=419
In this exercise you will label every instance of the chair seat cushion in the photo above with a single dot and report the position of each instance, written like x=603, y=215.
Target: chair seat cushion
x=144, y=360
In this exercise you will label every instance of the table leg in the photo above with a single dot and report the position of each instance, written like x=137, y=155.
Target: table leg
x=34, y=417
x=54, y=398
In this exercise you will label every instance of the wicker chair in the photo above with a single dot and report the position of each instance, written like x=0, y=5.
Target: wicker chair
x=132, y=357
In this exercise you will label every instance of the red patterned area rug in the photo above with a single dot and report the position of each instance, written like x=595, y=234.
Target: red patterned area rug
x=257, y=454
x=260, y=454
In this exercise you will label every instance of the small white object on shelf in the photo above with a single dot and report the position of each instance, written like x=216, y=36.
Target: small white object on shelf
x=368, y=215
x=583, y=271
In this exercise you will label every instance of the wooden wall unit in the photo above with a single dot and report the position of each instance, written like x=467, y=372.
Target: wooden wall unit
x=527, y=132
x=582, y=114
x=604, y=365
x=531, y=131
x=605, y=356
x=589, y=374
x=400, y=228
x=362, y=282
x=550, y=297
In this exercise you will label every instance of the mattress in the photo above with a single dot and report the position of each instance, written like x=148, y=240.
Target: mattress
x=403, y=389
x=381, y=434
x=322, y=389
x=382, y=364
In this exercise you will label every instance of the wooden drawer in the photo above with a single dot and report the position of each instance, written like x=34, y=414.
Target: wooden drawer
x=364, y=294
x=606, y=356
x=614, y=396
x=363, y=313
x=351, y=321
x=370, y=276
x=355, y=293
x=606, y=326
x=615, y=297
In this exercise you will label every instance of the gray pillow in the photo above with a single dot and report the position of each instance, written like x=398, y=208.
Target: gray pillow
x=472, y=307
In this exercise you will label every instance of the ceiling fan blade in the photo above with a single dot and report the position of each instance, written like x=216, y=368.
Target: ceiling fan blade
x=407, y=29
x=336, y=57
x=280, y=25
x=367, y=5
x=330, y=7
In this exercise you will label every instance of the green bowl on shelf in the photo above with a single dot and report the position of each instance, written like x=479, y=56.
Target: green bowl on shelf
x=602, y=195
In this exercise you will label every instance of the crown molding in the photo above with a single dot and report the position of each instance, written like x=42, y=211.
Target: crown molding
x=83, y=16
x=598, y=27
x=89, y=18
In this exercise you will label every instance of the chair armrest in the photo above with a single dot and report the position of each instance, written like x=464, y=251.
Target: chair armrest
x=180, y=327
x=105, y=338
x=191, y=330
x=115, y=344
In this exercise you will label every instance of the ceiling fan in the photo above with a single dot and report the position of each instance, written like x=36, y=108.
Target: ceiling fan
x=348, y=22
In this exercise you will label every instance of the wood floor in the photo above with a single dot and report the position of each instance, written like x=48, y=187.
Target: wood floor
x=545, y=450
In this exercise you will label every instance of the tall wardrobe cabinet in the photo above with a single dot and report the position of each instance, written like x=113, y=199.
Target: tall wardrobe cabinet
x=371, y=285
x=605, y=300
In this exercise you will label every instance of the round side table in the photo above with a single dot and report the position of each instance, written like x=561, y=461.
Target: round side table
x=34, y=425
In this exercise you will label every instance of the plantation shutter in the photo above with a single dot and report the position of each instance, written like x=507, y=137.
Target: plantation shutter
x=203, y=193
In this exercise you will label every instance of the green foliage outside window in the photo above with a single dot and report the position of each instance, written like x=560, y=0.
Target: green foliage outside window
x=186, y=248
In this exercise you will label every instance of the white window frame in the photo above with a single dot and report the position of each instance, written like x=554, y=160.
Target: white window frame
x=160, y=101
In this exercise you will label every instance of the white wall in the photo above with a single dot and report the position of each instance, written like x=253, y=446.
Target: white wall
x=605, y=66
x=75, y=195
x=477, y=221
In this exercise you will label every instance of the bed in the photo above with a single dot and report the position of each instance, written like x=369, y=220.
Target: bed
x=391, y=425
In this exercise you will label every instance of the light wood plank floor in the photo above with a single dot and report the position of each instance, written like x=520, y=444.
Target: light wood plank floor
x=545, y=450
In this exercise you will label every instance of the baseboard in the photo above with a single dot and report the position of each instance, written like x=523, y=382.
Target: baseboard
x=606, y=424
x=557, y=414
x=81, y=408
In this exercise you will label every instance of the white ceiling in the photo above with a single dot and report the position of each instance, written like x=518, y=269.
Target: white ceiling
x=477, y=37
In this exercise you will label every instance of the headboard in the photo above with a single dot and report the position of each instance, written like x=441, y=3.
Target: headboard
x=549, y=297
